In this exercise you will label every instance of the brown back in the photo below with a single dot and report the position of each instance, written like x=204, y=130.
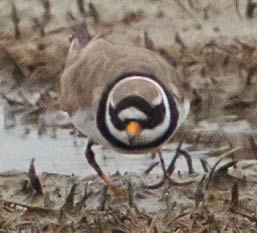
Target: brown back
x=101, y=62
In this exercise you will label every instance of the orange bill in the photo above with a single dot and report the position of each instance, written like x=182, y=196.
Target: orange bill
x=133, y=129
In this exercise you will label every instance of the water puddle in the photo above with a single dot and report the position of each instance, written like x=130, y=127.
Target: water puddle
x=59, y=155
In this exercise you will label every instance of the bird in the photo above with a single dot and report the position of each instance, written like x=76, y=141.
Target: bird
x=123, y=97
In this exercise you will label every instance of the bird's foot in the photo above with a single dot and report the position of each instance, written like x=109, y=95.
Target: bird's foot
x=116, y=191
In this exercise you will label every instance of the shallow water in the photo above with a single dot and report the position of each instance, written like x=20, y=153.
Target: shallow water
x=60, y=155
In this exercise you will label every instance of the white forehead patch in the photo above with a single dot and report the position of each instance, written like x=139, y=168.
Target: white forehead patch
x=132, y=113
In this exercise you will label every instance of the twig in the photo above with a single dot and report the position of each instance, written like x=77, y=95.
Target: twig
x=234, y=195
x=170, y=181
x=169, y=172
x=223, y=156
x=82, y=202
x=163, y=165
x=69, y=203
x=151, y=167
x=237, y=8
x=250, y=7
x=239, y=211
x=179, y=41
x=80, y=31
x=171, y=60
x=70, y=17
x=81, y=8
x=103, y=199
x=171, y=167
x=199, y=193
x=99, y=223
x=19, y=75
x=16, y=21
x=93, y=12
x=152, y=224
x=10, y=101
x=181, y=5
x=47, y=7
x=34, y=208
x=34, y=180
x=148, y=42
x=221, y=170
x=205, y=165
x=39, y=26
x=131, y=196
x=188, y=160
x=170, y=222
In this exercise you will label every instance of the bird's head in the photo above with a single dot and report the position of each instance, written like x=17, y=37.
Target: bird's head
x=137, y=113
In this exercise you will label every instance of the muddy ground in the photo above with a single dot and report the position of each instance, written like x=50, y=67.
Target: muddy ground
x=212, y=44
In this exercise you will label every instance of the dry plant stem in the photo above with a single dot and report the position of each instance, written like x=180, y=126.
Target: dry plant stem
x=70, y=17
x=148, y=42
x=39, y=26
x=237, y=8
x=250, y=75
x=223, y=168
x=192, y=5
x=188, y=160
x=16, y=21
x=81, y=8
x=181, y=215
x=130, y=193
x=12, y=203
x=69, y=203
x=205, y=165
x=154, y=186
x=11, y=101
x=153, y=155
x=181, y=5
x=165, y=176
x=75, y=137
x=223, y=156
x=239, y=211
x=199, y=193
x=131, y=196
x=21, y=76
x=252, y=143
x=93, y=12
x=167, y=173
x=151, y=167
x=171, y=167
x=103, y=199
x=82, y=202
x=34, y=180
x=234, y=195
x=163, y=165
x=153, y=223
x=80, y=31
x=250, y=7
x=179, y=41
x=47, y=7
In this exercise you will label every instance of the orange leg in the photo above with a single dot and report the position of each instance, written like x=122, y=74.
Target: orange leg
x=90, y=155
